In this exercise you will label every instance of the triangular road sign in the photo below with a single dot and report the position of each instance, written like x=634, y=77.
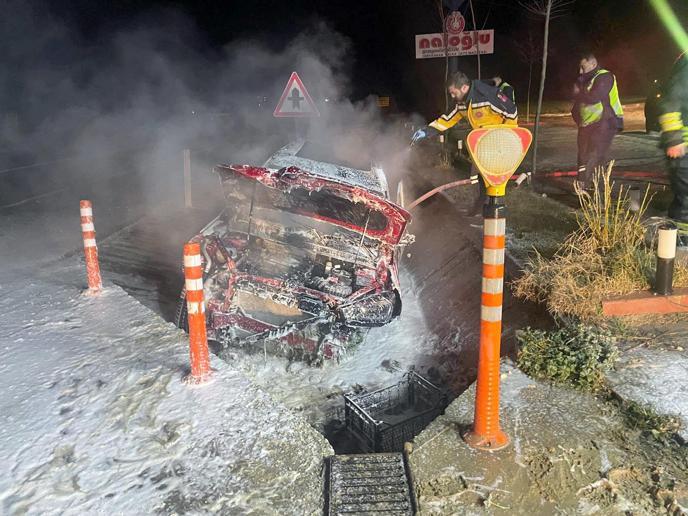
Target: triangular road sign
x=295, y=100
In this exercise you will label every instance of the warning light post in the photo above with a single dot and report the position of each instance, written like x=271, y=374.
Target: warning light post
x=496, y=152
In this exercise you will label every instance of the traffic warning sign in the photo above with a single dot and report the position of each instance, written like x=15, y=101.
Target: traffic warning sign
x=295, y=100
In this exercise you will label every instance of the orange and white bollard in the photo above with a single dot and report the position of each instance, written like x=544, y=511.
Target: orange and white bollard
x=496, y=152
x=95, y=284
x=198, y=339
x=486, y=433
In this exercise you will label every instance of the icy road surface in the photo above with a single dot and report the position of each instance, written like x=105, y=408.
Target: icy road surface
x=94, y=417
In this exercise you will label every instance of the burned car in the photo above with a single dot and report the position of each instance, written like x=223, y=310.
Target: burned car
x=304, y=257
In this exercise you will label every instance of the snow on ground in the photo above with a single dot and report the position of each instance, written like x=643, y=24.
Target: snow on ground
x=95, y=418
x=654, y=377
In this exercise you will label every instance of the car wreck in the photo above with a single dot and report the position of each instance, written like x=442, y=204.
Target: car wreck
x=304, y=257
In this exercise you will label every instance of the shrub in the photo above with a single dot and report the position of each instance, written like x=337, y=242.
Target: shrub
x=575, y=354
x=606, y=256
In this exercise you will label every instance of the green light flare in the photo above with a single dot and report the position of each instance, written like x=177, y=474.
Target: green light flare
x=670, y=21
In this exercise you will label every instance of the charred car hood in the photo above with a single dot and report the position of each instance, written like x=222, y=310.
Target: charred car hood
x=387, y=223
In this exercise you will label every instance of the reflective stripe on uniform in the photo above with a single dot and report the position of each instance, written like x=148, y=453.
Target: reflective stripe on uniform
x=671, y=122
x=615, y=100
x=592, y=113
x=448, y=121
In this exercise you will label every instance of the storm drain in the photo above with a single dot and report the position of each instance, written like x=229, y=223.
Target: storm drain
x=369, y=484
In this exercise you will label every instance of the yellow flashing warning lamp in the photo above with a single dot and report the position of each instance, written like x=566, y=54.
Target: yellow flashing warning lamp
x=497, y=151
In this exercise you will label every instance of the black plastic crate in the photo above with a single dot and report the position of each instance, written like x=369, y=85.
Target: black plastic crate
x=383, y=420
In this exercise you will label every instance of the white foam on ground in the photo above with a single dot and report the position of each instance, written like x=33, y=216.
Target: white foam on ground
x=381, y=360
x=95, y=418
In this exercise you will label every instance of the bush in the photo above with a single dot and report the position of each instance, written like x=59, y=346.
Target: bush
x=606, y=256
x=576, y=354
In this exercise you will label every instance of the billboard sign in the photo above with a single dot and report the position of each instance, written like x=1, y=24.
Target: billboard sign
x=462, y=44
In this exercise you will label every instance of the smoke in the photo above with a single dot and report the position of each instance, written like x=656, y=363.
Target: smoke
x=133, y=98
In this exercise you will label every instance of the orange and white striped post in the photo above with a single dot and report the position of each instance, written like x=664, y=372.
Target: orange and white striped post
x=198, y=339
x=486, y=432
x=95, y=283
x=497, y=151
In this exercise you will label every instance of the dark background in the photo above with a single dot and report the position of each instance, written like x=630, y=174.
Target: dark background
x=627, y=36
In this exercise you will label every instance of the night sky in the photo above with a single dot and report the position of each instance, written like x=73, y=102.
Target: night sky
x=626, y=35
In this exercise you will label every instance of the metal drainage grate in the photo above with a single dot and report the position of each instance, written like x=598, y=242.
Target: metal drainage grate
x=369, y=484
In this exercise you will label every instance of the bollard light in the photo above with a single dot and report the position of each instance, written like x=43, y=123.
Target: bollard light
x=666, y=254
x=496, y=152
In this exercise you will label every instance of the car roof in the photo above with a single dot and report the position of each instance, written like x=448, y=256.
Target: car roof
x=315, y=158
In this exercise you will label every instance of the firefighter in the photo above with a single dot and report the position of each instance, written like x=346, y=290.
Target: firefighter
x=598, y=113
x=504, y=87
x=673, y=118
x=477, y=103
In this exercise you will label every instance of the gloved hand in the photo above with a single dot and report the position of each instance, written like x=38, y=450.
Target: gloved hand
x=676, y=151
x=418, y=135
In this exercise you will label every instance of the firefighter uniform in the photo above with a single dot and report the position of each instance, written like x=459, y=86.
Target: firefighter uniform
x=484, y=105
x=598, y=113
x=508, y=90
x=673, y=118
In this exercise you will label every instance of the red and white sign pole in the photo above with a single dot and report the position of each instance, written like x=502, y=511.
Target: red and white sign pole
x=88, y=232
x=198, y=339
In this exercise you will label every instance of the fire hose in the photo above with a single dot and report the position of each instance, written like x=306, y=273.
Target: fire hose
x=463, y=182
x=658, y=178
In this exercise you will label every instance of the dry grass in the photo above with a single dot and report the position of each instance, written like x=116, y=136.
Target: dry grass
x=606, y=256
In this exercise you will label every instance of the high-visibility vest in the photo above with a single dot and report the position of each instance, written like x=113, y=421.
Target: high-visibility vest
x=592, y=113
x=504, y=87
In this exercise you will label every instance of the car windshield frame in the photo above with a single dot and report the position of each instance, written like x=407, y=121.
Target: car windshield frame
x=324, y=204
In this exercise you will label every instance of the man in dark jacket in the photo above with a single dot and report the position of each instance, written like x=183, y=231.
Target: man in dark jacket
x=673, y=118
x=479, y=104
x=598, y=113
